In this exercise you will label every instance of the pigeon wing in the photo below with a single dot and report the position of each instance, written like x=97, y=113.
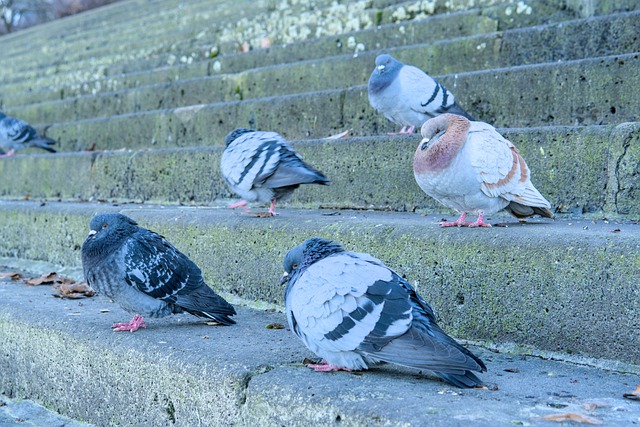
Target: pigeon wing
x=250, y=159
x=501, y=169
x=292, y=170
x=341, y=300
x=16, y=130
x=427, y=96
x=157, y=268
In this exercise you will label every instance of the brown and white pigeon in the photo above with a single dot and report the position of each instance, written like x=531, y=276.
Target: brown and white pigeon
x=352, y=310
x=144, y=273
x=470, y=167
x=16, y=134
x=261, y=166
x=408, y=96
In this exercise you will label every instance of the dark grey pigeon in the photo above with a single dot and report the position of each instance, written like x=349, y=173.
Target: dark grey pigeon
x=16, y=134
x=352, y=310
x=408, y=96
x=261, y=166
x=145, y=274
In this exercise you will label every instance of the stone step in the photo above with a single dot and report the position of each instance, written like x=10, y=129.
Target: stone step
x=243, y=23
x=181, y=372
x=559, y=286
x=366, y=173
x=606, y=92
x=60, y=82
x=516, y=47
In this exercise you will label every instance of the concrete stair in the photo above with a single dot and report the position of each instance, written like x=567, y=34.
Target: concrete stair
x=153, y=94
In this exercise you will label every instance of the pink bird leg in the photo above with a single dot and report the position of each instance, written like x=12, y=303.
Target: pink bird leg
x=8, y=154
x=132, y=326
x=460, y=222
x=325, y=366
x=406, y=130
x=241, y=204
x=479, y=222
x=272, y=208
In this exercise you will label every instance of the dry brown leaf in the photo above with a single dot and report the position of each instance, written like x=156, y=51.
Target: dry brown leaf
x=245, y=47
x=344, y=134
x=72, y=290
x=45, y=279
x=570, y=416
x=634, y=395
x=12, y=275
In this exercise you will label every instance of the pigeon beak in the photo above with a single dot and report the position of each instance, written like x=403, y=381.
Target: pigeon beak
x=285, y=278
x=380, y=69
x=91, y=233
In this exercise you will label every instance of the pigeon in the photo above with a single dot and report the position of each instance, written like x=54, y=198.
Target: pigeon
x=261, y=166
x=16, y=134
x=352, y=310
x=145, y=274
x=408, y=96
x=470, y=167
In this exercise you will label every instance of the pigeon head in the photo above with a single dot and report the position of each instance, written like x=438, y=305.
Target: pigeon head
x=234, y=134
x=442, y=138
x=306, y=253
x=108, y=231
x=387, y=69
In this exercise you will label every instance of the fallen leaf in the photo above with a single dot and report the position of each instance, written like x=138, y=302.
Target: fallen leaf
x=104, y=310
x=344, y=134
x=512, y=370
x=12, y=275
x=617, y=230
x=45, y=279
x=26, y=196
x=92, y=148
x=274, y=326
x=245, y=47
x=206, y=337
x=570, y=416
x=307, y=361
x=72, y=290
x=634, y=395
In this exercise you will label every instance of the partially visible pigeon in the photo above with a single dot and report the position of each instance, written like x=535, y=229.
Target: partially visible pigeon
x=16, y=134
x=470, y=167
x=145, y=274
x=406, y=95
x=261, y=166
x=352, y=310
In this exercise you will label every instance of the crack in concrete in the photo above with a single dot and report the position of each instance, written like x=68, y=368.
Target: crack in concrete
x=626, y=143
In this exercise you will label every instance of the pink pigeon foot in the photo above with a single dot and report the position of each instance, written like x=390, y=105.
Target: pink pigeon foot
x=272, y=208
x=135, y=324
x=325, y=366
x=460, y=222
x=479, y=222
x=404, y=131
x=8, y=154
x=241, y=204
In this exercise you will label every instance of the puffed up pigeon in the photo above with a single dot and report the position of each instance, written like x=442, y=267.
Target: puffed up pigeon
x=145, y=274
x=470, y=167
x=408, y=96
x=16, y=134
x=261, y=166
x=352, y=310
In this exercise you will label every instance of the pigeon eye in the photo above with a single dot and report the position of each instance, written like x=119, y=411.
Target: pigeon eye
x=105, y=225
x=294, y=266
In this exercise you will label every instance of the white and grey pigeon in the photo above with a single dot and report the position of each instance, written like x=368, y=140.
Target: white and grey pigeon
x=145, y=274
x=261, y=166
x=352, y=310
x=408, y=96
x=470, y=167
x=16, y=134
